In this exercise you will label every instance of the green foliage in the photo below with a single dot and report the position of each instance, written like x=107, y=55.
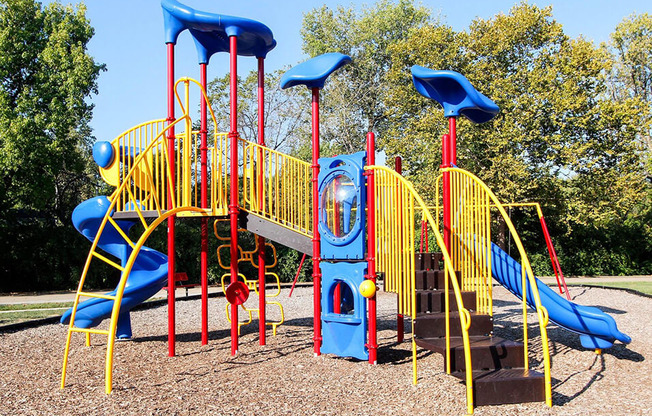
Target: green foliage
x=45, y=142
x=560, y=138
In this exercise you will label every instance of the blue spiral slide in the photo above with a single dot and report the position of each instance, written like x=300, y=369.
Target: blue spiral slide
x=148, y=274
x=596, y=328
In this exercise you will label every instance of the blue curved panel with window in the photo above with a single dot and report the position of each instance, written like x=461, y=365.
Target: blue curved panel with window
x=342, y=200
x=345, y=333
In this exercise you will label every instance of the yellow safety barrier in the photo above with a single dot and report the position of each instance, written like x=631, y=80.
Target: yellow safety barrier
x=277, y=187
x=470, y=226
x=249, y=256
x=117, y=197
x=149, y=186
x=396, y=203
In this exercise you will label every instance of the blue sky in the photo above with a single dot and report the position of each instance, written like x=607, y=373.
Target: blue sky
x=129, y=40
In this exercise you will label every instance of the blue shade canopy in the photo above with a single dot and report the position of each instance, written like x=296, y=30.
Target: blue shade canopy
x=455, y=93
x=211, y=31
x=313, y=72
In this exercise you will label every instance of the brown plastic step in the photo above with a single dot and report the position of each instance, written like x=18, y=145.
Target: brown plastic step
x=506, y=386
x=487, y=353
x=433, y=325
x=435, y=301
x=428, y=261
x=433, y=279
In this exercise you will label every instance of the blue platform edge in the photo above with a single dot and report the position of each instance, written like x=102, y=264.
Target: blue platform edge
x=596, y=328
x=344, y=335
x=313, y=72
x=455, y=93
x=211, y=31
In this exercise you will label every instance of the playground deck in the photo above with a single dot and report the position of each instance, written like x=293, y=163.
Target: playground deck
x=284, y=378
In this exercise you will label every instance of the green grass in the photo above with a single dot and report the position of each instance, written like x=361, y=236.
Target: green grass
x=24, y=306
x=643, y=287
x=30, y=311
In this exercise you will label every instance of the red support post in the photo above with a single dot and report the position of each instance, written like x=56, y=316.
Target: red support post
x=233, y=200
x=261, y=240
x=296, y=276
x=452, y=137
x=553, y=259
x=170, y=202
x=203, y=131
x=371, y=247
x=445, y=162
x=400, y=321
x=316, y=248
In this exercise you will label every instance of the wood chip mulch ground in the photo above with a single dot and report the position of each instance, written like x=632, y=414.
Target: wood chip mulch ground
x=284, y=378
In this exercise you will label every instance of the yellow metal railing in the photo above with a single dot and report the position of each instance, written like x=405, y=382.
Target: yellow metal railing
x=396, y=203
x=149, y=186
x=116, y=198
x=471, y=201
x=277, y=187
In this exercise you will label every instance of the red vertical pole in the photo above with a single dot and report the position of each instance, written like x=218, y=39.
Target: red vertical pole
x=445, y=162
x=261, y=240
x=316, y=248
x=233, y=200
x=371, y=246
x=170, y=202
x=400, y=322
x=203, y=131
x=553, y=258
x=452, y=137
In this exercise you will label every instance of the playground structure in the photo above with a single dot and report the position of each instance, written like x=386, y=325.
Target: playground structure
x=355, y=219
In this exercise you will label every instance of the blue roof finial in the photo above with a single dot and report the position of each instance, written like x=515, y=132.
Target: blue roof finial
x=313, y=72
x=455, y=93
x=211, y=31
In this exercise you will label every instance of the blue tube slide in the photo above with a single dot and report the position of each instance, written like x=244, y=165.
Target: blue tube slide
x=596, y=328
x=148, y=274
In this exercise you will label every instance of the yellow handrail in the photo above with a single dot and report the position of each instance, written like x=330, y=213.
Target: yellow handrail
x=461, y=180
x=276, y=187
x=396, y=201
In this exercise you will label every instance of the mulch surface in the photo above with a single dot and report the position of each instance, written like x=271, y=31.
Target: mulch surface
x=284, y=378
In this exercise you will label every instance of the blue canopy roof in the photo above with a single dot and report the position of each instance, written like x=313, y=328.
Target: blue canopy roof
x=211, y=31
x=313, y=72
x=455, y=93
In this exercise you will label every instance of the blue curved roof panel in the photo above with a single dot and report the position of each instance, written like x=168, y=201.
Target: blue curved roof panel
x=455, y=93
x=313, y=72
x=211, y=31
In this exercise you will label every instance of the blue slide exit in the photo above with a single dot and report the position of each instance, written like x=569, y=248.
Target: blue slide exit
x=596, y=328
x=148, y=274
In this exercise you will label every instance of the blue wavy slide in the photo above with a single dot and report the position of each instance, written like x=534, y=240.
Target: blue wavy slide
x=596, y=328
x=147, y=277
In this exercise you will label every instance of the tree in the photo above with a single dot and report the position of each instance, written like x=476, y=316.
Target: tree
x=631, y=46
x=354, y=98
x=285, y=110
x=46, y=77
x=559, y=139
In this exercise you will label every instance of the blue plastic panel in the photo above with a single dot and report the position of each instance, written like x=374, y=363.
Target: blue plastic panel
x=351, y=202
x=596, y=328
x=344, y=334
x=211, y=31
x=313, y=72
x=455, y=93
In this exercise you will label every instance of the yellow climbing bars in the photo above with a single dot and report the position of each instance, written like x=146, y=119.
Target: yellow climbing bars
x=249, y=256
x=277, y=187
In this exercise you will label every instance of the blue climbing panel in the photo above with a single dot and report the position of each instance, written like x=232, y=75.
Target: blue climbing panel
x=342, y=200
x=344, y=334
